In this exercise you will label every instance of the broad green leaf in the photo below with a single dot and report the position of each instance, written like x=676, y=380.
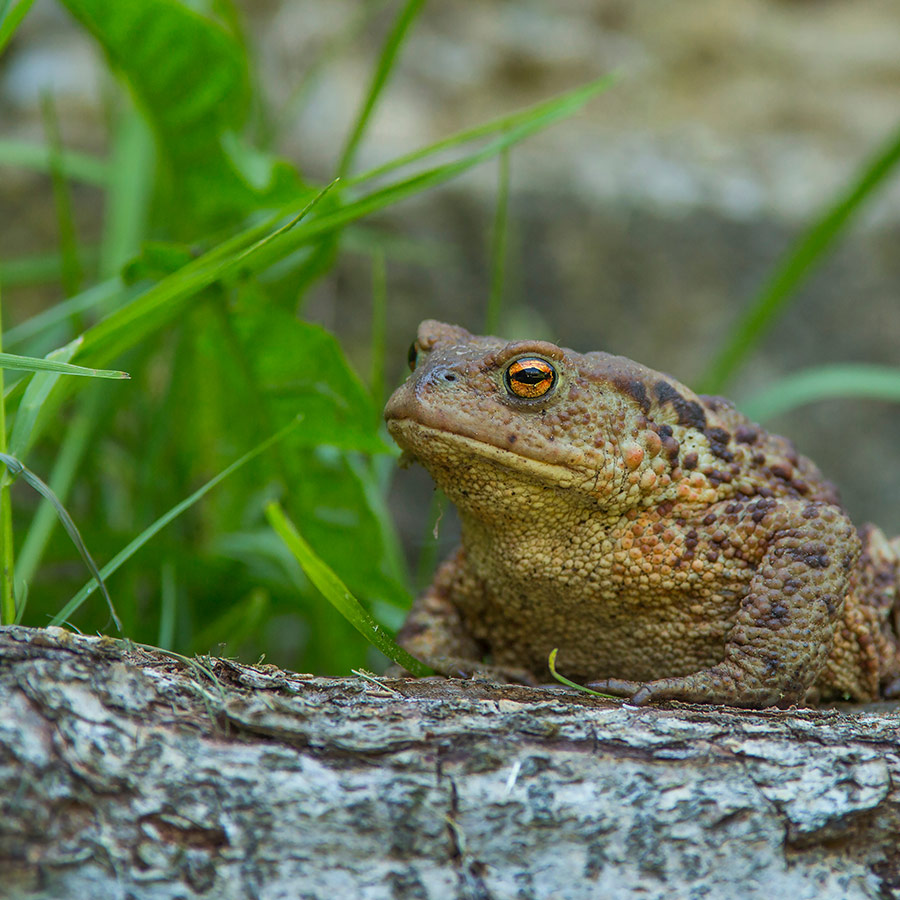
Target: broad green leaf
x=299, y=368
x=11, y=20
x=191, y=79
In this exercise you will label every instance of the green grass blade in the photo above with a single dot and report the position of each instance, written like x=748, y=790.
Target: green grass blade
x=415, y=184
x=825, y=383
x=571, y=101
x=35, y=395
x=168, y=594
x=36, y=157
x=7, y=591
x=97, y=296
x=39, y=268
x=131, y=174
x=160, y=304
x=36, y=364
x=796, y=266
x=11, y=21
x=18, y=469
x=498, y=248
x=124, y=555
x=356, y=21
x=72, y=272
x=71, y=452
x=428, y=547
x=386, y=60
x=551, y=665
x=379, y=326
x=335, y=591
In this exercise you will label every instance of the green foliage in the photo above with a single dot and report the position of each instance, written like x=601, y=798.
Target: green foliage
x=809, y=250
x=825, y=383
x=335, y=591
x=207, y=247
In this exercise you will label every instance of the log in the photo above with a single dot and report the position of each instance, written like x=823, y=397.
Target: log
x=128, y=773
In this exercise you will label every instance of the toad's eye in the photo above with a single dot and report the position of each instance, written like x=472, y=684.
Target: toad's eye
x=530, y=377
x=412, y=356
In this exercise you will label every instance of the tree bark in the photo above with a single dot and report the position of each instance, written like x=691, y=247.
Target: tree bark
x=130, y=774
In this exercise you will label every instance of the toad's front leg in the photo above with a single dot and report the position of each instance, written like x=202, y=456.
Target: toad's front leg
x=784, y=628
x=434, y=631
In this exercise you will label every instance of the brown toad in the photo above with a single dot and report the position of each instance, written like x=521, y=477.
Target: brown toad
x=667, y=545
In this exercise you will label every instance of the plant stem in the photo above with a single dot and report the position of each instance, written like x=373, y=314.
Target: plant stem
x=7, y=597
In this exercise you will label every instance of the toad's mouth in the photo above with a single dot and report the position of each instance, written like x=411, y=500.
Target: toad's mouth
x=439, y=449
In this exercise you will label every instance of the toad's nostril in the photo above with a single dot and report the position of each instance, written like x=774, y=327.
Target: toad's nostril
x=448, y=376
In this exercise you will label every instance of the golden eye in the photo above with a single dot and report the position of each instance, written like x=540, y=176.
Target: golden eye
x=530, y=377
x=411, y=356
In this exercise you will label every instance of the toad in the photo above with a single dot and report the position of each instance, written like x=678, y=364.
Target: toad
x=669, y=547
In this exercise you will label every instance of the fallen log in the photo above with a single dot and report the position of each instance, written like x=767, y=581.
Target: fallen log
x=128, y=773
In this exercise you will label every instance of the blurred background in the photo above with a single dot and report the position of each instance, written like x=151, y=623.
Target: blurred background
x=645, y=224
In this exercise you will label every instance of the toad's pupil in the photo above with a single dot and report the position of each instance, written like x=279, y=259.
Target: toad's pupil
x=530, y=378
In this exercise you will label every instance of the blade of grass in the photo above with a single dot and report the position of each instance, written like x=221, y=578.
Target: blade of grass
x=335, y=591
x=386, y=60
x=379, y=325
x=39, y=268
x=36, y=157
x=132, y=323
x=168, y=598
x=7, y=593
x=36, y=364
x=235, y=625
x=97, y=296
x=428, y=551
x=124, y=555
x=11, y=21
x=35, y=395
x=18, y=469
x=551, y=665
x=415, y=184
x=72, y=271
x=71, y=452
x=572, y=101
x=131, y=173
x=798, y=263
x=498, y=248
x=124, y=328
x=356, y=22
x=825, y=383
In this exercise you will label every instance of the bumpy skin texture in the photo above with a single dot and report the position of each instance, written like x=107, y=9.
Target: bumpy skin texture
x=668, y=546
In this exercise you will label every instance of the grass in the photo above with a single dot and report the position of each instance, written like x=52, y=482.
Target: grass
x=240, y=417
x=180, y=292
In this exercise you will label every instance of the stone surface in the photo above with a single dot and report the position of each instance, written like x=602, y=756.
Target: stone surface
x=126, y=773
